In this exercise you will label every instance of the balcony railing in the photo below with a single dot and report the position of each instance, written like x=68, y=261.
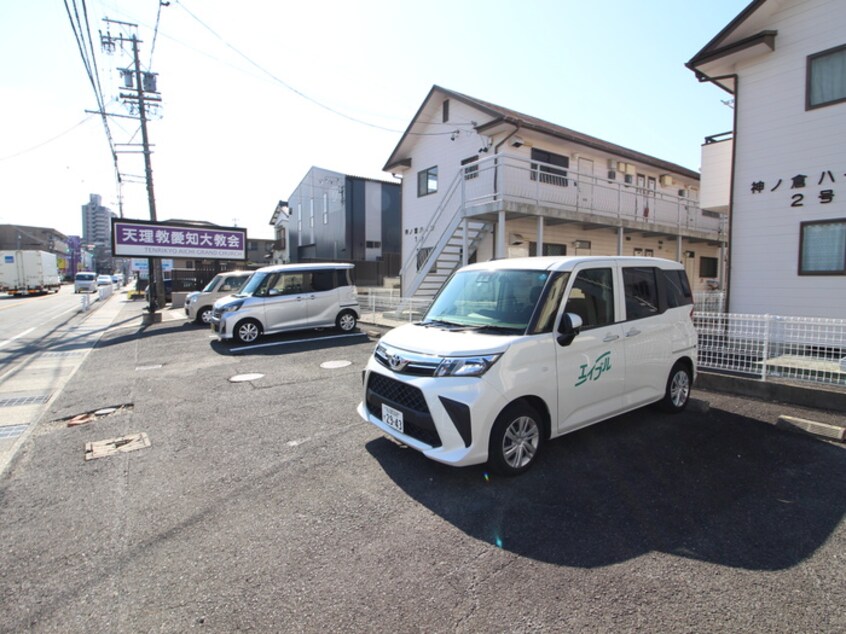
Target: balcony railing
x=510, y=178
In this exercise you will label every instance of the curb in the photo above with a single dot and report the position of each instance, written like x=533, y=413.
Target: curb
x=812, y=427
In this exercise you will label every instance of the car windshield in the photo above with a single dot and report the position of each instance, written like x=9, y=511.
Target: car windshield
x=500, y=301
x=85, y=277
x=255, y=282
x=210, y=286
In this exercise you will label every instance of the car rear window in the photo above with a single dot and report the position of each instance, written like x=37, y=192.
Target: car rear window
x=85, y=277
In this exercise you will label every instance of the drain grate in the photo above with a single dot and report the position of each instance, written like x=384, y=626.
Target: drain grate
x=24, y=400
x=12, y=431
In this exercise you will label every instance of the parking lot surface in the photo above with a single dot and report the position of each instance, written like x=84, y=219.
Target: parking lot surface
x=268, y=505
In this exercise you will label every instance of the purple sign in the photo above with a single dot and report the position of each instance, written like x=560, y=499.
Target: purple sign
x=138, y=238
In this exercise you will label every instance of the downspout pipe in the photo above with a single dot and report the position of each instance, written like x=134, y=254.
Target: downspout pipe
x=702, y=77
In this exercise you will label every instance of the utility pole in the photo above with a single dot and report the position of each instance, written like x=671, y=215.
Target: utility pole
x=141, y=83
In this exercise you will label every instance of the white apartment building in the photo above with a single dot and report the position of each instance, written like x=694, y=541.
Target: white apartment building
x=783, y=171
x=480, y=181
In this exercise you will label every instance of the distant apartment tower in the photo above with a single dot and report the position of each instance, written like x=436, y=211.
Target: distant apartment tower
x=96, y=221
x=96, y=231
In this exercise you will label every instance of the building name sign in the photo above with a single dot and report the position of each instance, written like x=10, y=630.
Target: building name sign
x=139, y=238
x=804, y=193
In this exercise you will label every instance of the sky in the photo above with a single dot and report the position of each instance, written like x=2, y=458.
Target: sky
x=255, y=93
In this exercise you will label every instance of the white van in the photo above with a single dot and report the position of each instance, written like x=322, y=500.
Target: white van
x=288, y=297
x=84, y=282
x=198, y=305
x=517, y=351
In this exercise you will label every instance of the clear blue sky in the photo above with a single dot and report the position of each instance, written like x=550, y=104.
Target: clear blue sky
x=235, y=136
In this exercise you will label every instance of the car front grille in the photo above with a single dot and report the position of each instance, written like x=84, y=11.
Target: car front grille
x=417, y=420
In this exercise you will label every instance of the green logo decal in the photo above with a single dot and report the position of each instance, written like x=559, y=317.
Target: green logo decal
x=600, y=367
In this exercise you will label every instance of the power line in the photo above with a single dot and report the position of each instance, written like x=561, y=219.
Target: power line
x=302, y=94
x=50, y=140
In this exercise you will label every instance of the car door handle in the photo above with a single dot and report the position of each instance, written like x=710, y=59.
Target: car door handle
x=633, y=332
x=609, y=338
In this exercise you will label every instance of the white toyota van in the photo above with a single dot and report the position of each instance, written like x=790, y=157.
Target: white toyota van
x=515, y=352
x=288, y=297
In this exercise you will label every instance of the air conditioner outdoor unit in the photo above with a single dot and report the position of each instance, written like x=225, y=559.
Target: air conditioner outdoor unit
x=666, y=180
x=612, y=164
x=631, y=169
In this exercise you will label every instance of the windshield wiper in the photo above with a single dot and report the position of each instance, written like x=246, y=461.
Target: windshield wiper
x=503, y=329
x=441, y=322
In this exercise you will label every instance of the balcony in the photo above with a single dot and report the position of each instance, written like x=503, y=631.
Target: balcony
x=716, y=172
x=522, y=187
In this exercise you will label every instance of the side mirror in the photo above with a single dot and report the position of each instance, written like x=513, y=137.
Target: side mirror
x=570, y=326
x=273, y=292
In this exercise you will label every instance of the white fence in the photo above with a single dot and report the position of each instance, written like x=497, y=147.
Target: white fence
x=760, y=346
x=770, y=346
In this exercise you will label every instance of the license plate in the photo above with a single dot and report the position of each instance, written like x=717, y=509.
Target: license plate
x=392, y=417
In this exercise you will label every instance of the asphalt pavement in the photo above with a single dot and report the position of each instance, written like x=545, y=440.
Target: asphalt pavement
x=246, y=494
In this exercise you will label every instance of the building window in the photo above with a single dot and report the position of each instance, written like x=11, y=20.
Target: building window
x=707, y=267
x=822, y=247
x=373, y=244
x=446, y=111
x=427, y=181
x=325, y=208
x=471, y=167
x=826, y=78
x=554, y=172
x=549, y=248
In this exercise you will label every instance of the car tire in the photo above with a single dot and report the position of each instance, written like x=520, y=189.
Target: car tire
x=677, y=394
x=516, y=439
x=247, y=331
x=204, y=315
x=346, y=321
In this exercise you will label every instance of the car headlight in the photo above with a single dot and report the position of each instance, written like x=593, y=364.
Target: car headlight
x=466, y=366
x=231, y=308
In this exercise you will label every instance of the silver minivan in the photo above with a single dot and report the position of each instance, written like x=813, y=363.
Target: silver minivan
x=288, y=297
x=199, y=304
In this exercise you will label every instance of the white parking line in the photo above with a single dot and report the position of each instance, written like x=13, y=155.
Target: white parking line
x=287, y=343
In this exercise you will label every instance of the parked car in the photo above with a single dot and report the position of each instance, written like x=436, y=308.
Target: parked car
x=199, y=304
x=117, y=279
x=288, y=297
x=84, y=282
x=517, y=351
x=104, y=280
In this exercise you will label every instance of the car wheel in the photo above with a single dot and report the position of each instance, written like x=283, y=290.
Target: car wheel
x=346, y=320
x=204, y=315
x=516, y=439
x=247, y=331
x=677, y=393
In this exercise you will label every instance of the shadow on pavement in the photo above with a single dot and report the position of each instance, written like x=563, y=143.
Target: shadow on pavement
x=716, y=487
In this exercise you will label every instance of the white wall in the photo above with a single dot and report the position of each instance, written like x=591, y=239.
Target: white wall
x=777, y=139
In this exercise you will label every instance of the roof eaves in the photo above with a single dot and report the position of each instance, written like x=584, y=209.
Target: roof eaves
x=730, y=28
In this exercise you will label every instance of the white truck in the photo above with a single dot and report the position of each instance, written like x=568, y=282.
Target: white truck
x=29, y=272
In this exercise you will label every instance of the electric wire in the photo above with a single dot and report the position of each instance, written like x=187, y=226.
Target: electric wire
x=93, y=75
x=48, y=141
x=302, y=94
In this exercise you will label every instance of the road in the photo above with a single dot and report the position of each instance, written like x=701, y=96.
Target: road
x=268, y=505
x=43, y=340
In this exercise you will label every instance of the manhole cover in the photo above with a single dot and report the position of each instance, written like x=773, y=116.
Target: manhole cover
x=112, y=446
x=242, y=378
x=334, y=365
